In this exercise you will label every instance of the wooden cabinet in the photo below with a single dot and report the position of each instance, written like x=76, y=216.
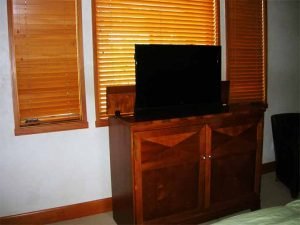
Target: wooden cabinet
x=170, y=170
x=185, y=170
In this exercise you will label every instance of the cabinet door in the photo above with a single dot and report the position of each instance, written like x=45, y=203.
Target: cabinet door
x=169, y=175
x=235, y=155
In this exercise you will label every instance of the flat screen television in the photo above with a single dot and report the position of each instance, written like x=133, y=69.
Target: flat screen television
x=177, y=80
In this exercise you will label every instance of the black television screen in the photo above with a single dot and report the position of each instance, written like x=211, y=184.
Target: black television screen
x=177, y=80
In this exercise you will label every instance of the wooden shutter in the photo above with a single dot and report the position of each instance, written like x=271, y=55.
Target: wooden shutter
x=246, y=50
x=46, y=50
x=120, y=24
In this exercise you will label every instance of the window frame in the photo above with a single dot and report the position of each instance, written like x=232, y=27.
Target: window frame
x=50, y=126
x=103, y=121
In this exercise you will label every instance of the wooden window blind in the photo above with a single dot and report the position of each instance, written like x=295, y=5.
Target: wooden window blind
x=246, y=50
x=47, y=63
x=120, y=24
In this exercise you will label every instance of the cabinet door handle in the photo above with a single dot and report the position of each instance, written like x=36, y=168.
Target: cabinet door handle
x=204, y=157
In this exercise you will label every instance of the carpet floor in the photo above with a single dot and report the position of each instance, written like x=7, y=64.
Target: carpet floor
x=273, y=193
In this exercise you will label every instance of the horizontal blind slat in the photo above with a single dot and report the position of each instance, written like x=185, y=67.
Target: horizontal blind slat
x=120, y=24
x=245, y=49
x=45, y=41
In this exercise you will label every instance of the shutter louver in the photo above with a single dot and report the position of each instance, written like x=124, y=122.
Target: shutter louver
x=246, y=45
x=120, y=24
x=45, y=40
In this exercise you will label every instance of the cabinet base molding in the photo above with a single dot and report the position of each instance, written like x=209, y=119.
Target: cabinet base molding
x=60, y=213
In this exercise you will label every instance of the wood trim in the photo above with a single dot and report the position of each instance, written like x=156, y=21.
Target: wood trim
x=60, y=213
x=266, y=49
x=103, y=122
x=100, y=122
x=80, y=61
x=51, y=127
x=268, y=167
x=259, y=150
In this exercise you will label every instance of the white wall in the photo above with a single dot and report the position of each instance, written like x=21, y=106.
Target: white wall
x=283, y=64
x=43, y=171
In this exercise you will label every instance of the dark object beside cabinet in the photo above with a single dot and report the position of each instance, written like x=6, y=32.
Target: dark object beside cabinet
x=286, y=136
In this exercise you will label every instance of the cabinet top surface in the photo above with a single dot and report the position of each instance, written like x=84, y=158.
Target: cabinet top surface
x=247, y=110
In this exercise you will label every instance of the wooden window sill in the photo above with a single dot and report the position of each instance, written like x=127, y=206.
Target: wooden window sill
x=102, y=122
x=51, y=127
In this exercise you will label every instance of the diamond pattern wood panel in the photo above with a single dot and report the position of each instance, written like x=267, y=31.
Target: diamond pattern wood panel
x=233, y=162
x=172, y=148
x=164, y=157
